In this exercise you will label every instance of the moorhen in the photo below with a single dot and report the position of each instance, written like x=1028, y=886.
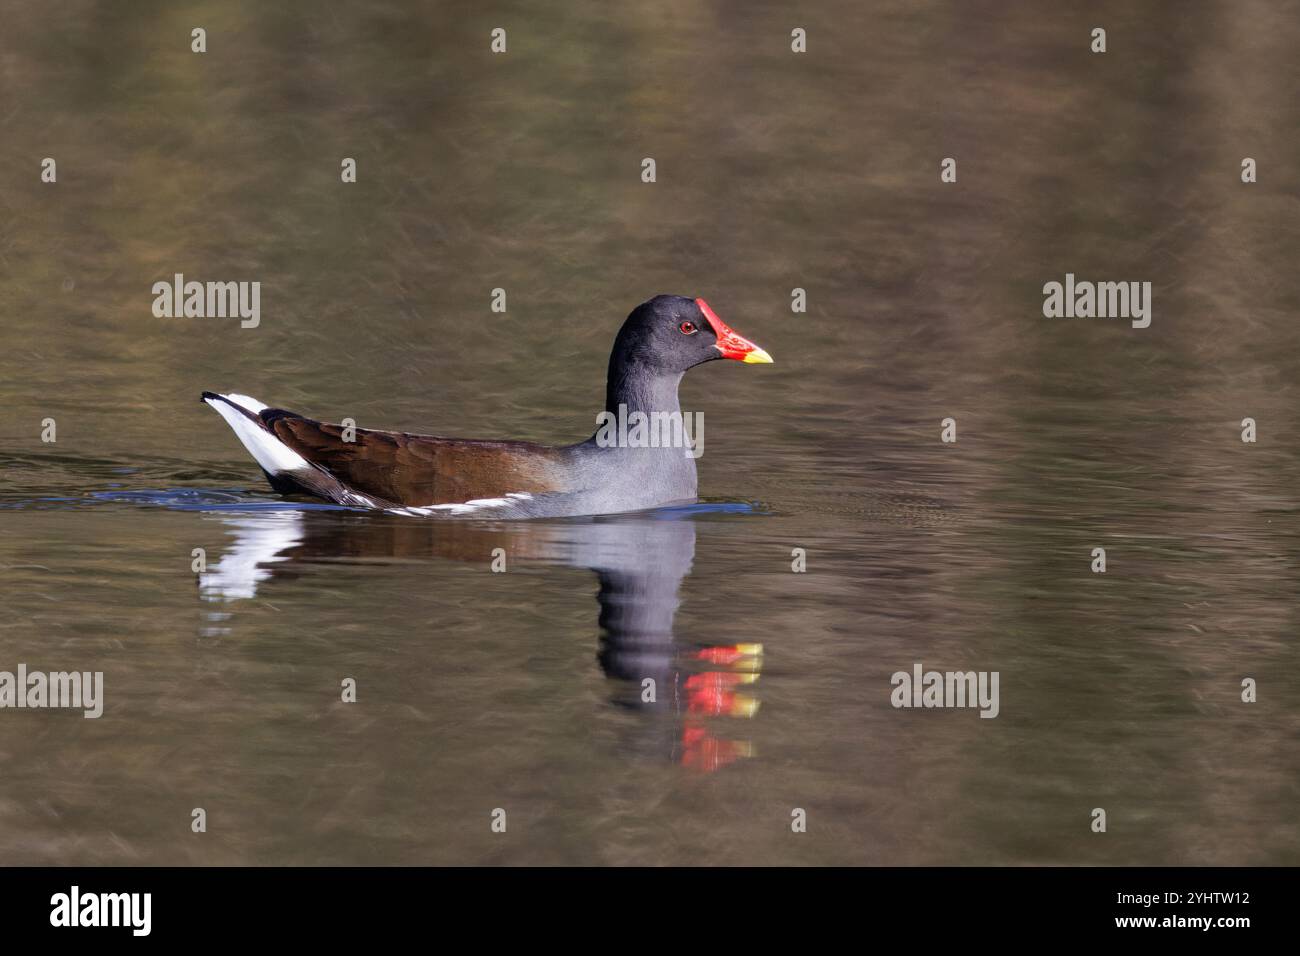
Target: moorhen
x=610, y=472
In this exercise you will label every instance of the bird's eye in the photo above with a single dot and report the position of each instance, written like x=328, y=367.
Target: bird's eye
x=688, y=328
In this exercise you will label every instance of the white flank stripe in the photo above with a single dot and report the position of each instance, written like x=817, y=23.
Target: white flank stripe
x=467, y=507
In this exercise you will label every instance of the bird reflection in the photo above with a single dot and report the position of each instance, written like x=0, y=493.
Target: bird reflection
x=690, y=697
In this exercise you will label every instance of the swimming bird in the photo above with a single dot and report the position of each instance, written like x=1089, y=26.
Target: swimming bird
x=426, y=475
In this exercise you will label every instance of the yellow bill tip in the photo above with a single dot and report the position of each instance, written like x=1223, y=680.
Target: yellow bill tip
x=757, y=356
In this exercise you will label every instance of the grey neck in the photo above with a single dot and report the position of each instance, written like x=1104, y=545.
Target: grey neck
x=639, y=389
x=615, y=477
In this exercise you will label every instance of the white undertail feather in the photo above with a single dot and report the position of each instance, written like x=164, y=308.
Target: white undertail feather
x=244, y=401
x=271, y=453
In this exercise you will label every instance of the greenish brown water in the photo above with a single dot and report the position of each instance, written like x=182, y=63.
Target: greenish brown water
x=522, y=690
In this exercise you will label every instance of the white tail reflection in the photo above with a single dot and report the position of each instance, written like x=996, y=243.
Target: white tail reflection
x=260, y=540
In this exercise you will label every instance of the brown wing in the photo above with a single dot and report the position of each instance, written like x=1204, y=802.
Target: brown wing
x=419, y=470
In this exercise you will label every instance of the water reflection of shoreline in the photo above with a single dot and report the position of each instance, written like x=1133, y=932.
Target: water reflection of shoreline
x=687, y=695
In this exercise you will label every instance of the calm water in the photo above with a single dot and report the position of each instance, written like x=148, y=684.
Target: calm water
x=522, y=690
